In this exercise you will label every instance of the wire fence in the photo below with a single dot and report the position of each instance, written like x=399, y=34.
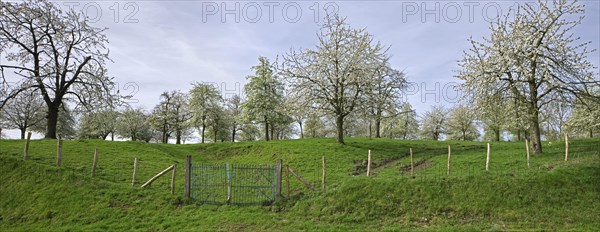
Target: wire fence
x=239, y=184
x=255, y=184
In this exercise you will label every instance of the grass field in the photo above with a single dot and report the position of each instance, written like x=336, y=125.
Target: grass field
x=550, y=195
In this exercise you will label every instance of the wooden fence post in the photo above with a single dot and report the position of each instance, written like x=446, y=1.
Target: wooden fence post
x=95, y=162
x=26, y=151
x=173, y=179
x=59, y=152
x=287, y=181
x=566, y=147
x=149, y=182
x=135, y=169
x=323, y=179
x=306, y=183
x=278, y=178
x=412, y=164
x=487, y=161
x=527, y=148
x=369, y=164
x=449, y=152
x=228, y=173
x=188, y=176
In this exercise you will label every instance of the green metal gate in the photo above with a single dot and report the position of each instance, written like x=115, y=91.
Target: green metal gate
x=239, y=184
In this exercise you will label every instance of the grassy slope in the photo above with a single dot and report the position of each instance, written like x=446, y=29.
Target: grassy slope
x=552, y=194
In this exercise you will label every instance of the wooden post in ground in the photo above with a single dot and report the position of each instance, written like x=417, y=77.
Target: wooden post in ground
x=487, y=161
x=323, y=179
x=566, y=147
x=412, y=164
x=527, y=148
x=188, y=177
x=95, y=162
x=306, y=183
x=26, y=151
x=449, y=153
x=228, y=172
x=369, y=164
x=135, y=169
x=287, y=181
x=157, y=176
x=173, y=179
x=59, y=152
x=278, y=170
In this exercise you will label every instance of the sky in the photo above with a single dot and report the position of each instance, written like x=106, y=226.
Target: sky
x=159, y=46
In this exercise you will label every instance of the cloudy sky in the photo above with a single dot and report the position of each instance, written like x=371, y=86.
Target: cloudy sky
x=166, y=45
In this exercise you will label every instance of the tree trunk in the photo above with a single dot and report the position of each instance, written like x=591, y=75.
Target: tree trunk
x=216, y=131
x=497, y=135
x=378, y=128
x=591, y=133
x=52, y=121
x=112, y=136
x=370, y=129
x=301, y=130
x=273, y=132
x=535, y=135
x=164, y=134
x=266, y=129
x=339, y=123
x=178, y=137
x=23, y=133
x=203, y=129
x=233, y=133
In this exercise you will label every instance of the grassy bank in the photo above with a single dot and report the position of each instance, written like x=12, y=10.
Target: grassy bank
x=550, y=195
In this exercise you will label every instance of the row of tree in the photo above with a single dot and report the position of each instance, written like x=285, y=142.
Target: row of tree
x=204, y=114
x=529, y=77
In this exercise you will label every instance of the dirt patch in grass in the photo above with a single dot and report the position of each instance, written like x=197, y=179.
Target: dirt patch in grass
x=419, y=165
x=360, y=166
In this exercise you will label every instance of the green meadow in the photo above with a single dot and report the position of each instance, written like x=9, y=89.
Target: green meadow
x=550, y=194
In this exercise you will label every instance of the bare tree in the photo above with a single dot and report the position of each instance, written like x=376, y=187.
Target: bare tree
x=534, y=54
x=334, y=75
x=55, y=52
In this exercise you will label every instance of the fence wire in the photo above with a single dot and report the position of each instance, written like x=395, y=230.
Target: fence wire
x=238, y=184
